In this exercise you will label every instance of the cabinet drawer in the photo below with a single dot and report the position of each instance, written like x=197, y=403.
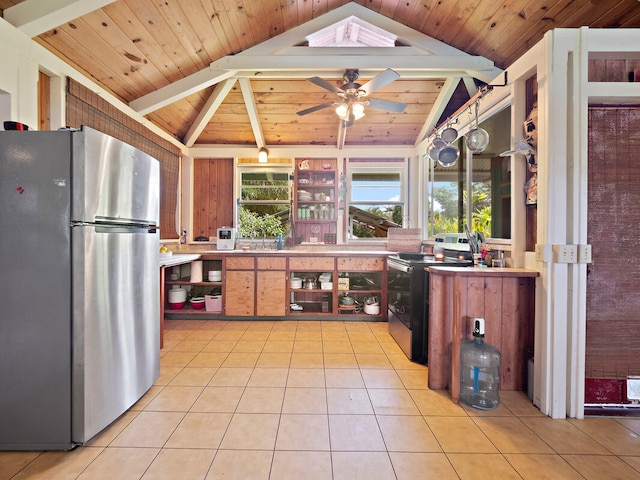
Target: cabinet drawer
x=360, y=263
x=240, y=263
x=311, y=263
x=272, y=263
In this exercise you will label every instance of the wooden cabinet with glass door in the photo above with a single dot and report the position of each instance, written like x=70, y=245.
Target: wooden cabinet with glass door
x=315, y=210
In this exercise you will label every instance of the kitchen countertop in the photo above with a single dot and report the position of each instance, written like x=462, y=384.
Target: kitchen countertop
x=484, y=271
x=177, y=259
x=312, y=250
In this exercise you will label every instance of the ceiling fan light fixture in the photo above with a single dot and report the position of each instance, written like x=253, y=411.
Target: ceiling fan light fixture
x=358, y=110
x=263, y=155
x=342, y=111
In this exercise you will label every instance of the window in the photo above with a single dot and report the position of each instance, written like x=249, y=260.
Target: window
x=264, y=203
x=377, y=199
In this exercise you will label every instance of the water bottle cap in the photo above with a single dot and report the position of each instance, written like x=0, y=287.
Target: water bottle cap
x=478, y=327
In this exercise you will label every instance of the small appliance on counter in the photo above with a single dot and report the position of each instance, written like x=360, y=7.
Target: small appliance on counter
x=226, y=238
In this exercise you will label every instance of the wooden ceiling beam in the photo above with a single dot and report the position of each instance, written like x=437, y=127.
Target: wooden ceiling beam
x=35, y=17
x=250, y=103
x=204, y=116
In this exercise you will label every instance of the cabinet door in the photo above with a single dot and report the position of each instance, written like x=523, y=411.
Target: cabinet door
x=346, y=264
x=239, y=293
x=271, y=293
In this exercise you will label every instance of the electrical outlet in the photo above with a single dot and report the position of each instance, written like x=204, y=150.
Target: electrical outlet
x=565, y=253
x=584, y=253
x=543, y=252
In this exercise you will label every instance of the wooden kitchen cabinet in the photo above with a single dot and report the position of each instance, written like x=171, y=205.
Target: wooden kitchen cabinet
x=363, y=279
x=504, y=297
x=239, y=286
x=271, y=287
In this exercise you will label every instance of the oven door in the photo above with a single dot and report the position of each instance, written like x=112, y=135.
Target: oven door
x=399, y=304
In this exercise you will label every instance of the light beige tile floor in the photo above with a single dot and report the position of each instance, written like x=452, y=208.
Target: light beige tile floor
x=324, y=400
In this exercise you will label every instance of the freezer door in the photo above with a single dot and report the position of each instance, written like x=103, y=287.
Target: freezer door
x=116, y=324
x=112, y=179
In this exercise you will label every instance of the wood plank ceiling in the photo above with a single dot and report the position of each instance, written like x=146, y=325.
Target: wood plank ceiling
x=166, y=59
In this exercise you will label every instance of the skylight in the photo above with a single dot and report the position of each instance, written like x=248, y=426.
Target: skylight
x=352, y=32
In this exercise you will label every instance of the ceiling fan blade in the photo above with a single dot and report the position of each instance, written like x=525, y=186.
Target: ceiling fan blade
x=379, y=81
x=387, y=105
x=321, y=82
x=315, y=109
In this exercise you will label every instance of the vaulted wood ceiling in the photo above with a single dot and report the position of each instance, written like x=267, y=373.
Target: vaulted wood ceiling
x=233, y=71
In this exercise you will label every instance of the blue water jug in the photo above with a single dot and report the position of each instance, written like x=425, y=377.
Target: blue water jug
x=479, y=371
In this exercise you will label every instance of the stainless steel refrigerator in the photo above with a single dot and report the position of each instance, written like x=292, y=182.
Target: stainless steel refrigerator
x=79, y=285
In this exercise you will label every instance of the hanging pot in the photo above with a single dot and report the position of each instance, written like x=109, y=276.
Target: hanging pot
x=477, y=140
x=449, y=134
x=435, y=148
x=448, y=156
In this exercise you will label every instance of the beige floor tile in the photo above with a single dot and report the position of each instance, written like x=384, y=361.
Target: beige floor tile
x=218, y=399
x=174, y=399
x=231, y=377
x=244, y=359
x=341, y=401
x=340, y=360
x=146, y=398
x=617, y=438
x=399, y=361
x=423, y=466
x=177, y=359
x=200, y=430
x=305, y=400
x=275, y=359
x=436, y=403
x=303, y=346
x=633, y=462
x=375, y=378
x=632, y=423
x=167, y=374
x=414, y=379
x=285, y=326
x=307, y=360
x=252, y=335
x=171, y=464
x=148, y=429
x=248, y=346
x=278, y=346
x=209, y=359
x=336, y=347
x=120, y=463
x=306, y=377
x=369, y=465
x=229, y=335
x=372, y=360
x=288, y=465
x=106, y=436
x=510, y=435
x=49, y=465
x=471, y=466
x=343, y=378
x=308, y=335
x=206, y=335
x=309, y=326
x=536, y=466
x=189, y=345
x=303, y=432
x=251, y=431
x=519, y=404
x=261, y=400
x=282, y=335
x=192, y=377
x=241, y=465
x=268, y=377
x=363, y=337
x=407, y=434
x=355, y=433
x=563, y=436
x=596, y=467
x=219, y=346
x=500, y=411
x=389, y=401
x=459, y=435
x=334, y=336
x=367, y=347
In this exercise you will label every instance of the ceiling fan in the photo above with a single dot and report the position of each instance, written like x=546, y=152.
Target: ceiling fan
x=354, y=96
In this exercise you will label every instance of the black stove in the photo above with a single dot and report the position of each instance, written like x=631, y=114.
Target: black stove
x=408, y=298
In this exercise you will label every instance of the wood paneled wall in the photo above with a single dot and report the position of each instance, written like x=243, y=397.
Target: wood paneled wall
x=85, y=107
x=212, y=195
